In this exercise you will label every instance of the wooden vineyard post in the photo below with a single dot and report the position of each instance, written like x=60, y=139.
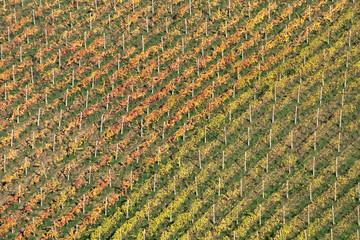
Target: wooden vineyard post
x=127, y=208
x=250, y=113
x=8, y=33
x=66, y=97
x=263, y=188
x=66, y=39
x=199, y=160
x=234, y=89
x=110, y=177
x=317, y=118
x=349, y=37
x=237, y=214
x=148, y=212
x=12, y=138
x=118, y=63
x=122, y=125
x=117, y=150
x=84, y=42
x=287, y=189
x=101, y=123
x=283, y=207
x=308, y=215
x=331, y=234
x=89, y=175
x=46, y=38
x=336, y=167
x=205, y=133
x=32, y=75
x=340, y=118
x=223, y=160
x=213, y=213
x=186, y=29
x=219, y=187
x=197, y=67
x=83, y=203
x=260, y=215
x=68, y=172
x=42, y=163
x=26, y=165
x=142, y=42
x=270, y=139
x=163, y=132
x=123, y=41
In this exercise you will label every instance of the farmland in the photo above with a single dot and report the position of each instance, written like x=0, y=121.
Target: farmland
x=182, y=119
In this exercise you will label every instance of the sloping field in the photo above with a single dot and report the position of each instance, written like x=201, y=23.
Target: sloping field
x=191, y=119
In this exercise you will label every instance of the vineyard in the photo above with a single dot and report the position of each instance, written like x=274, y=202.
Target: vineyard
x=181, y=119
